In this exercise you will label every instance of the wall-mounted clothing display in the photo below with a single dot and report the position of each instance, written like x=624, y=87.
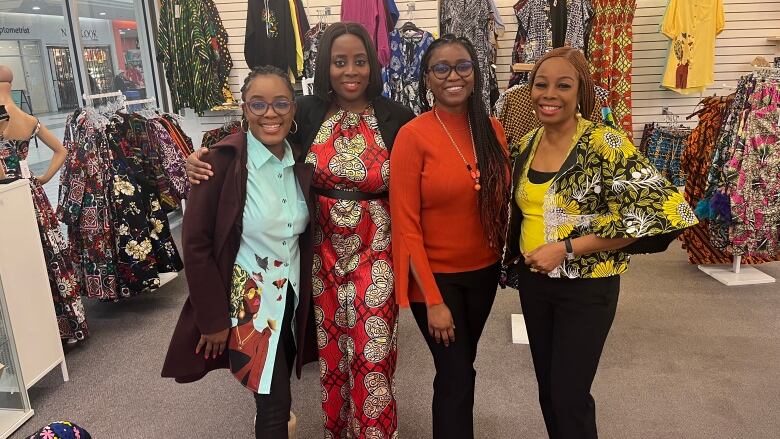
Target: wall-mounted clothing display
x=119, y=171
x=471, y=19
x=664, y=146
x=372, y=15
x=741, y=201
x=610, y=55
x=401, y=77
x=516, y=111
x=546, y=24
x=692, y=26
x=192, y=45
x=65, y=285
x=274, y=34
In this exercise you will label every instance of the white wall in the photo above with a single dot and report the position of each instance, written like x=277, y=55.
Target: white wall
x=748, y=24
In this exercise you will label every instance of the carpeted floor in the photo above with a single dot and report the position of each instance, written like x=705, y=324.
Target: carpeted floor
x=686, y=358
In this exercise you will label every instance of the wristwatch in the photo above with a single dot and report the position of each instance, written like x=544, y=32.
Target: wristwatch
x=569, y=249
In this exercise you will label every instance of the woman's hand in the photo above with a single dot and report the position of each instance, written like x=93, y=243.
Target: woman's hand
x=214, y=344
x=547, y=257
x=440, y=324
x=196, y=169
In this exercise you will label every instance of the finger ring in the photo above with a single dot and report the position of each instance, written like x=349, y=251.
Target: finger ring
x=534, y=270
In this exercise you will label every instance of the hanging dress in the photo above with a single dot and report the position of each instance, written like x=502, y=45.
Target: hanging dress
x=65, y=288
x=355, y=309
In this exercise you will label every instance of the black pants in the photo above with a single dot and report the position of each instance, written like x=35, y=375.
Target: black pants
x=567, y=321
x=470, y=297
x=273, y=410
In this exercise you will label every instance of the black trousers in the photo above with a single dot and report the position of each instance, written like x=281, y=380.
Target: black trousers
x=567, y=321
x=470, y=297
x=273, y=409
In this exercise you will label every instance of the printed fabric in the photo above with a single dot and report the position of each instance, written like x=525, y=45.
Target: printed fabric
x=605, y=188
x=61, y=430
x=63, y=282
x=546, y=24
x=311, y=47
x=515, y=111
x=610, y=55
x=471, y=19
x=192, y=45
x=665, y=149
x=355, y=308
x=692, y=26
x=402, y=76
x=212, y=137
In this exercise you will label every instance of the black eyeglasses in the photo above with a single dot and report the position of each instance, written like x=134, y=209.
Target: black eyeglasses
x=280, y=106
x=464, y=69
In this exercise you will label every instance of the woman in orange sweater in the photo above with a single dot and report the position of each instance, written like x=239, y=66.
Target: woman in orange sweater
x=447, y=200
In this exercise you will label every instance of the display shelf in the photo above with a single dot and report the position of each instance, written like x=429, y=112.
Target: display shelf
x=167, y=277
x=11, y=420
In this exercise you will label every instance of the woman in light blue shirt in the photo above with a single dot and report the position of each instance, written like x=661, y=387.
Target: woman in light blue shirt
x=248, y=258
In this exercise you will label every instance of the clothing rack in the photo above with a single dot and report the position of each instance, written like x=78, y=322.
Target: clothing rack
x=736, y=274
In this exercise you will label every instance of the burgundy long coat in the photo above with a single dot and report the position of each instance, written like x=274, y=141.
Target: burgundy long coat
x=211, y=238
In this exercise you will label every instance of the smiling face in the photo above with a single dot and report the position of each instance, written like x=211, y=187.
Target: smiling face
x=451, y=93
x=350, y=71
x=555, y=91
x=269, y=127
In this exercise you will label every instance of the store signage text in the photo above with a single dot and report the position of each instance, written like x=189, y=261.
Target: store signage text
x=19, y=30
x=86, y=34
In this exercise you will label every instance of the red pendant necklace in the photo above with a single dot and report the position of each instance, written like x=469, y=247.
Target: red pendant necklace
x=473, y=172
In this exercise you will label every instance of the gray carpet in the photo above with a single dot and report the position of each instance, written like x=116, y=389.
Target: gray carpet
x=686, y=358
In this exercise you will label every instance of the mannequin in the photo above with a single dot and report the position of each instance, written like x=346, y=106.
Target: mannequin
x=21, y=126
x=16, y=130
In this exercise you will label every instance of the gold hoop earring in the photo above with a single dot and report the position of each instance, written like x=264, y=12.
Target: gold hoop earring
x=245, y=125
x=295, y=129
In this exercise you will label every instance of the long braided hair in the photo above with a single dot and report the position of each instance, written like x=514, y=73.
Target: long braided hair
x=491, y=155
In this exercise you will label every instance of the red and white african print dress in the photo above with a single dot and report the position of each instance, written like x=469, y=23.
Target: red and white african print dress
x=355, y=307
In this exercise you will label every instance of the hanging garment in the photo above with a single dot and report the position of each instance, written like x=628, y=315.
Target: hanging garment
x=392, y=14
x=755, y=198
x=311, y=44
x=664, y=150
x=64, y=283
x=546, y=24
x=192, y=46
x=692, y=25
x=355, y=308
x=471, y=19
x=695, y=164
x=515, y=111
x=371, y=14
x=610, y=50
x=270, y=36
x=212, y=137
x=402, y=76
x=110, y=200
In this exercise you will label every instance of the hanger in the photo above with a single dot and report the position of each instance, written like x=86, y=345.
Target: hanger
x=409, y=25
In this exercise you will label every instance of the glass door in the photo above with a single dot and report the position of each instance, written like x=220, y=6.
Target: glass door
x=62, y=76
x=100, y=69
x=35, y=76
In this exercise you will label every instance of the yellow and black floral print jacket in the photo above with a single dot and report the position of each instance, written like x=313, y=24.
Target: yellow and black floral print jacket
x=605, y=187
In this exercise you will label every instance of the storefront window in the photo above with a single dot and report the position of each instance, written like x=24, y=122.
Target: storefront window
x=35, y=43
x=116, y=53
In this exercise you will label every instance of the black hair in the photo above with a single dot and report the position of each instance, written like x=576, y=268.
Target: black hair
x=322, y=86
x=266, y=71
x=491, y=155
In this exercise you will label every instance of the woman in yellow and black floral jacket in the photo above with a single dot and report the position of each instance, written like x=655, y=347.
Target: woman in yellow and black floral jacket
x=583, y=201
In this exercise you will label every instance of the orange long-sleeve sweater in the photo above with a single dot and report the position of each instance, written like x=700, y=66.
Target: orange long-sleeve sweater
x=434, y=208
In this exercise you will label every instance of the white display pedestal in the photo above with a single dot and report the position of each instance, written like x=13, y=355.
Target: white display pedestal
x=26, y=287
x=519, y=332
x=736, y=274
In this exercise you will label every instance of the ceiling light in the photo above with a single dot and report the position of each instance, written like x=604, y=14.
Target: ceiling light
x=102, y=13
x=36, y=8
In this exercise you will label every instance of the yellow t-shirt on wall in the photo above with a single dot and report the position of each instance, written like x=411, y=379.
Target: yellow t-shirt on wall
x=692, y=25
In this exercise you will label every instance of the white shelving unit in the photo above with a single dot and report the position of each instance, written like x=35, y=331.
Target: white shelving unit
x=26, y=291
